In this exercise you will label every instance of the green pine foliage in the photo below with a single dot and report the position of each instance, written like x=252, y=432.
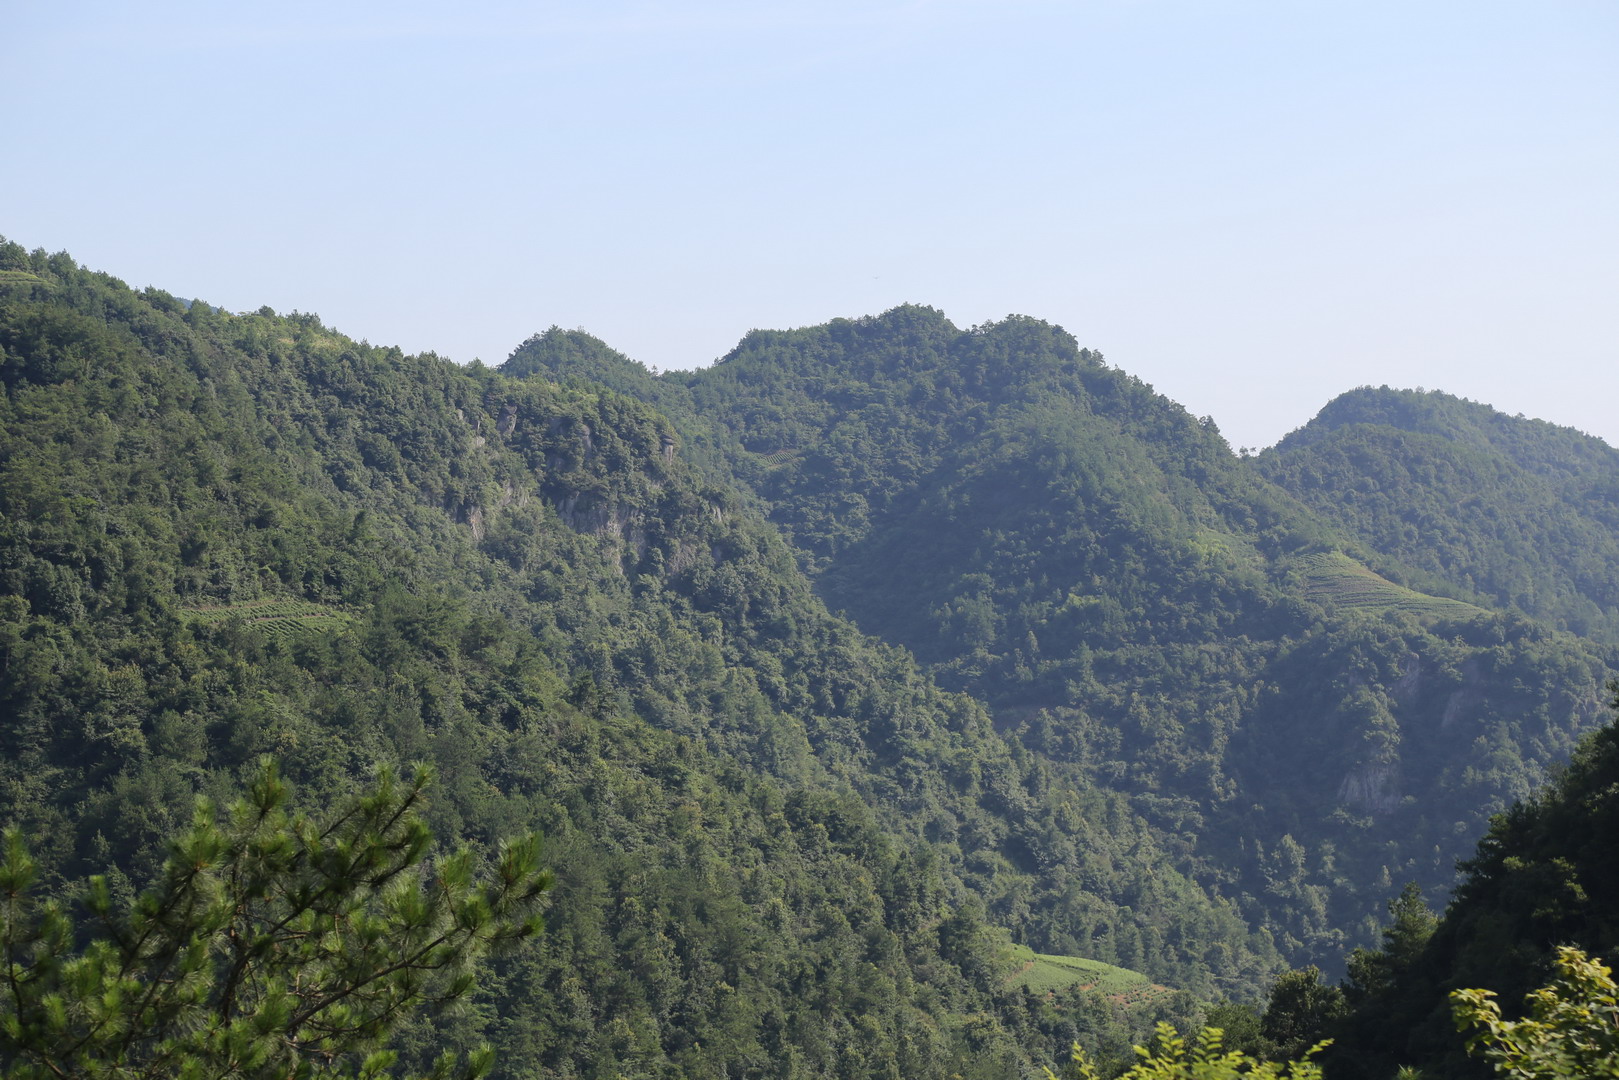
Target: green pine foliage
x=271, y=946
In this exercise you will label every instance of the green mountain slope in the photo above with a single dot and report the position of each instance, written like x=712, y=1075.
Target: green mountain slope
x=1520, y=511
x=781, y=849
x=1540, y=878
x=1143, y=612
x=1167, y=717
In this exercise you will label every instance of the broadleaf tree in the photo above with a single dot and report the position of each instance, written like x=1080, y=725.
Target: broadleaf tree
x=1205, y=1057
x=1572, y=1029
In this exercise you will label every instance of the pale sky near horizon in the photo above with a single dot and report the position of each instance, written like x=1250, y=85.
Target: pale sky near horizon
x=1252, y=206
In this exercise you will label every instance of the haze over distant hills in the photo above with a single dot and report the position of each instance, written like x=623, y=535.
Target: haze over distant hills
x=844, y=676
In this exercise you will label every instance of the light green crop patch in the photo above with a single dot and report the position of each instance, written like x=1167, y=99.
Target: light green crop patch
x=1336, y=578
x=1045, y=972
x=273, y=618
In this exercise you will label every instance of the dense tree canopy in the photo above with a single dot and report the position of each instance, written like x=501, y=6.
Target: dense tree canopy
x=1140, y=608
x=1103, y=690
x=1537, y=883
x=224, y=536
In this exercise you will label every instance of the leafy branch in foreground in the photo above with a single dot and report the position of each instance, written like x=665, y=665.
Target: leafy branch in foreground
x=273, y=946
x=1572, y=1029
x=1206, y=1059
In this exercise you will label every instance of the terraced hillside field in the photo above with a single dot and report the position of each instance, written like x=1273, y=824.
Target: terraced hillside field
x=1335, y=578
x=275, y=618
x=1045, y=972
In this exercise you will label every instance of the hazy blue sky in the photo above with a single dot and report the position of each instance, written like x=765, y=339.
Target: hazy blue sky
x=1252, y=206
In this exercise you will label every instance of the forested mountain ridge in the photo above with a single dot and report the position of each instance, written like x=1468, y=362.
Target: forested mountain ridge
x=780, y=848
x=574, y=356
x=1168, y=718
x=1521, y=511
x=1139, y=607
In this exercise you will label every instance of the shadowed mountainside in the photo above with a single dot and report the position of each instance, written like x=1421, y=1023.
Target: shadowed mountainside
x=1138, y=606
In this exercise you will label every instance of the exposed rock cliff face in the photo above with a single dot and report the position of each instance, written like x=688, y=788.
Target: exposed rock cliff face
x=1374, y=789
x=1409, y=685
x=1464, y=697
x=588, y=514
